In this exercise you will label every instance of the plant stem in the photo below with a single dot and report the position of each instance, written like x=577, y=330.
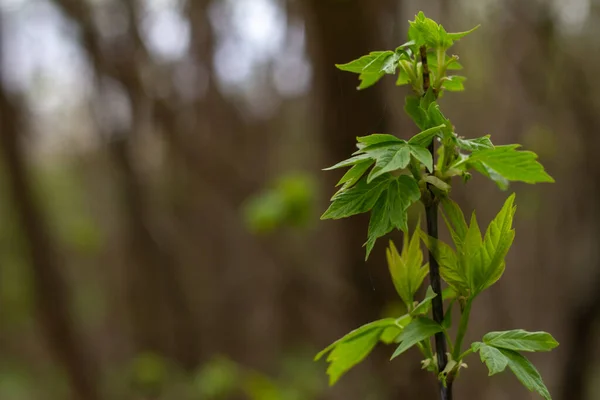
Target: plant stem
x=463, y=355
x=462, y=328
x=431, y=212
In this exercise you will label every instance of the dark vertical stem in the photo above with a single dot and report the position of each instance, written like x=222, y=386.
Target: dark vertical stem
x=423, y=54
x=431, y=212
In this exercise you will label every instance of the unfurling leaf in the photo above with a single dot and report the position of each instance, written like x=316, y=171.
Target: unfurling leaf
x=450, y=270
x=498, y=239
x=424, y=31
x=407, y=268
x=478, y=262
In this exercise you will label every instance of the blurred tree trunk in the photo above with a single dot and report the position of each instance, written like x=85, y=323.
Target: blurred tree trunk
x=562, y=86
x=161, y=316
x=583, y=315
x=338, y=32
x=578, y=212
x=51, y=292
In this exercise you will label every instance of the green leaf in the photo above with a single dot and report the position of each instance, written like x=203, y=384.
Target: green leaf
x=378, y=138
x=423, y=155
x=485, y=170
x=450, y=270
x=494, y=360
x=520, y=340
x=355, y=173
x=448, y=294
x=512, y=164
x=371, y=63
x=454, y=83
x=498, y=239
x=382, y=323
x=526, y=373
x=390, y=64
x=391, y=333
x=419, y=329
x=453, y=64
x=406, y=193
x=390, y=209
x=444, y=41
x=425, y=138
x=424, y=31
x=353, y=348
x=349, y=162
x=481, y=143
x=369, y=79
x=428, y=99
x=405, y=45
x=379, y=223
x=413, y=108
x=358, y=199
x=391, y=158
x=372, y=67
x=455, y=220
x=460, y=35
x=436, y=117
x=478, y=262
x=406, y=268
x=403, y=77
x=469, y=254
x=424, y=306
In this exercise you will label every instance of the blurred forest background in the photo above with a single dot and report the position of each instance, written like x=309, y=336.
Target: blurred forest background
x=161, y=186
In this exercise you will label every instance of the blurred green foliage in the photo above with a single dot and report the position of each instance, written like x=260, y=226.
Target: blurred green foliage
x=298, y=379
x=149, y=373
x=288, y=201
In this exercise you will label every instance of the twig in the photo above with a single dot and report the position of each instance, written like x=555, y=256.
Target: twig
x=431, y=212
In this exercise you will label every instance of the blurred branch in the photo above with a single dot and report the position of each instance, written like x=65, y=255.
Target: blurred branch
x=51, y=293
x=154, y=278
x=575, y=95
x=583, y=318
x=585, y=313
